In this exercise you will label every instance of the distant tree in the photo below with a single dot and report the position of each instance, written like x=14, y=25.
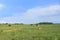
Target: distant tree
x=21, y=23
x=18, y=23
x=6, y=23
x=45, y=23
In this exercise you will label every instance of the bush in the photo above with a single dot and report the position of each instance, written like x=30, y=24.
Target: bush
x=9, y=25
x=36, y=24
x=31, y=24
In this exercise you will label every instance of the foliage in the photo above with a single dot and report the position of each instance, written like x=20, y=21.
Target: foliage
x=9, y=25
x=45, y=23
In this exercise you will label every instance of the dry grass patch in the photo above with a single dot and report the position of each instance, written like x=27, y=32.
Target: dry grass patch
x=10, y=30
x=7, y=30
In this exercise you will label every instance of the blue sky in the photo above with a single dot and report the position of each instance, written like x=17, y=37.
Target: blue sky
x=29, y=11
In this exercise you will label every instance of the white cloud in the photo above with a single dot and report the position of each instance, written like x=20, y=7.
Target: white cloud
x=2, y=6
x=36, y=14
x=2, y=21
x=38, y=11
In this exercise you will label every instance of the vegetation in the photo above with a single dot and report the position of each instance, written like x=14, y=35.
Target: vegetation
x=31, y=24
x=45, y=23
x=28, y=32
x=9, y=25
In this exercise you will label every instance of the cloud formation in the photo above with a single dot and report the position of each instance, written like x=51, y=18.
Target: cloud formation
x=2, y=6
x=39, y=12
x=2, y=21
x=36, y=14
x=43, y=11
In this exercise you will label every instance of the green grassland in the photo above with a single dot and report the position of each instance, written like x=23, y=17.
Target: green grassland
x=28, y=32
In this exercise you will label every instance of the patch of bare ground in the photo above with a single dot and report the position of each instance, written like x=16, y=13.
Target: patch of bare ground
x=10, y=30
x=7, y=30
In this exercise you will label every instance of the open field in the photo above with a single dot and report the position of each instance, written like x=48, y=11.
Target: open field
x=28, y=32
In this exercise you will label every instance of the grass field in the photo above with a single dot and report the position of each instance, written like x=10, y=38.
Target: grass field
x=28, y=32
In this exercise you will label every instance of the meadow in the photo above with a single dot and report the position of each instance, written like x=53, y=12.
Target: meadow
x=29, y=32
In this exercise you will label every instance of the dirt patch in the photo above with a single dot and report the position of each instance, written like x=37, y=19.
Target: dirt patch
x=10, y=30
x=7, y=30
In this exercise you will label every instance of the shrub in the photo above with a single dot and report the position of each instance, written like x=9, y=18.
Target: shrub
x=9, y=25
x=31, y=24
x=36, y=24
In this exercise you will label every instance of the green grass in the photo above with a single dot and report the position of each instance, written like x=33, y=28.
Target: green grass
x=28, y=32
